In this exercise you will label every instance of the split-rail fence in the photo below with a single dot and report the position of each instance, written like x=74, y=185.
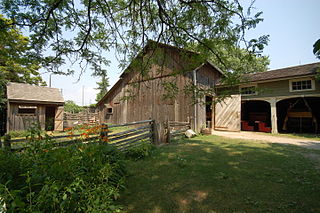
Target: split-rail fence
x=141, y=132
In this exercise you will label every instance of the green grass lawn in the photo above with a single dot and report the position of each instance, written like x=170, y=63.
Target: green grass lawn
x=215, y=174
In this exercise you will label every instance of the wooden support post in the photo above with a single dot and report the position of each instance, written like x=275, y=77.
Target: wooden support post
x=152, y=127
x=6, y=142
x=168, y=132
x=104, y=133
x=274, y=120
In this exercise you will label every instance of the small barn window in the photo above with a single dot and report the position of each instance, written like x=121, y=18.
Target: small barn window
x=248, y=90
x=301, y=85
x=27, y=110
x=109, y=110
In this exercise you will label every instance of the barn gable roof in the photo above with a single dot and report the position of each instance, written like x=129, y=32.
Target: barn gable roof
x=19, y=92
x=151, y=44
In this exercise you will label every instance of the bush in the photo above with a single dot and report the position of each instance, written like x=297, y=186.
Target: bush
x=34, y=129
x=82, y=178
x=18, y=134
x=141, y=151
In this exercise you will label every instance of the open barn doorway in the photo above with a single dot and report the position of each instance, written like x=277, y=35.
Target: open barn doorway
x=208, y=111
x=256, y=116
x=299, y=115
x=50, y=114
x=3, y=120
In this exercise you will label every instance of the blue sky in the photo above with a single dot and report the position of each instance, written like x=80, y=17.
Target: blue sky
x=293, y=26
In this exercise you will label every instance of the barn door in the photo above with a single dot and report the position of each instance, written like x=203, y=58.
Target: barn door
x=58, y=119
x=227, y=114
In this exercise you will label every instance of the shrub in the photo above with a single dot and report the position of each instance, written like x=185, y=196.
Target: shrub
x=34, y=129
x=141, y=151
x=79, y=178
x=18, y=134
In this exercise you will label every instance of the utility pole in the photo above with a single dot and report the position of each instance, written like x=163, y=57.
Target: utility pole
x=50, y=79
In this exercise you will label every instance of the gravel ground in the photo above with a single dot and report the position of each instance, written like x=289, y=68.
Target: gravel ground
x=307, y=143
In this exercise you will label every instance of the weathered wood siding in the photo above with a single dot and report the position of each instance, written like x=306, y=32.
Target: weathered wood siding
x=141, y=96
x=21, y=121
x=16, y=121
x=205, y=79
x=280, y=89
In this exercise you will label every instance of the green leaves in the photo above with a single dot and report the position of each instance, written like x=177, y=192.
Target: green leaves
x=316, y=48
x=72, y=107
x=85, y=178
x=18, y=62
x=85, y=30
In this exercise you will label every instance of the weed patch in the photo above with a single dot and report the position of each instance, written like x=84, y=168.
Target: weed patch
x=82, y=178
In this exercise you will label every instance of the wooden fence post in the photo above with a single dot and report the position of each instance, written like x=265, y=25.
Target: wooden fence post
x=6, y=142
x=168, y=132
x=152, y=127
x=104, y=133
x=189, y=121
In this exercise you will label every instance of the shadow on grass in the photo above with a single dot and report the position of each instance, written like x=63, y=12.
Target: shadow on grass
x=215, y=174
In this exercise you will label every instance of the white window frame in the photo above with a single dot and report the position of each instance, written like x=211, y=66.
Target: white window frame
x=22, y=107
x=301, y=79
x=248, y=85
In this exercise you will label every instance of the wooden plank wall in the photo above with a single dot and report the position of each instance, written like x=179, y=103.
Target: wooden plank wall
x=205, y=79
x=18, y=121
x=148, y=102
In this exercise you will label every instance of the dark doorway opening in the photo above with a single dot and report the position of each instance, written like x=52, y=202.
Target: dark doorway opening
x=50, y=114
x=3, y=120
x=208, y=111
x=299, y=115
x=255, y=116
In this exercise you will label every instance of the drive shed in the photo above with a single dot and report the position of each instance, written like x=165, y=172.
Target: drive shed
x=285, y=100
x=29, y=104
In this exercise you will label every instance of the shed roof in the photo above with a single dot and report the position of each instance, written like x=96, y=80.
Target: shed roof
x=26, y=92
x=289, y=72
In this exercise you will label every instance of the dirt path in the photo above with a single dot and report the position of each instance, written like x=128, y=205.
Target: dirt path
x=306, y=143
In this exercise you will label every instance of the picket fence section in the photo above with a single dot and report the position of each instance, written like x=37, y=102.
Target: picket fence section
x=141, y=132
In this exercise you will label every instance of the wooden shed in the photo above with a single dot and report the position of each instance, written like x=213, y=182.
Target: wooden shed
x=159, y=84
x=29, y=104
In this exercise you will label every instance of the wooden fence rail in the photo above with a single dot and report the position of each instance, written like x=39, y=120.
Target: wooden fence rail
x=176, y=128
x=121, y=140
x=132, y=137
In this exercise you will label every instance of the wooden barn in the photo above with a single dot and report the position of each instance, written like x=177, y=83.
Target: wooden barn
x=29, y=104
x=160, y=84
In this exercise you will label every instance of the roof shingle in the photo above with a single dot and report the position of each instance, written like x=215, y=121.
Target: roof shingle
x=289, y=72
x=27, y=92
